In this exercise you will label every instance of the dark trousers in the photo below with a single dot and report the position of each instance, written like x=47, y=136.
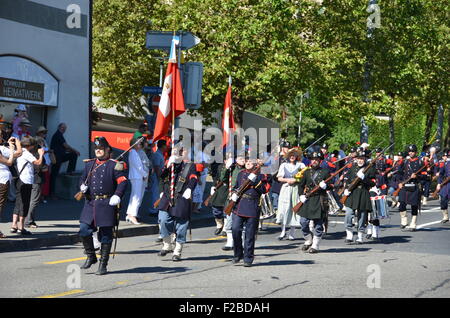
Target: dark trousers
x=251, y=227
x=414, y=208
x=23, y=197
x=34, y=201
x=105, y=234
x=4, y=188
x=72, y=158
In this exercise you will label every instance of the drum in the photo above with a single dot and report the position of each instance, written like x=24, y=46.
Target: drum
x=267, y=211
x=380, y=209
x=333, y=207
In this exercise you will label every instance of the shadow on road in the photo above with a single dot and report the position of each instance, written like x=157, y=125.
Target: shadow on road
x=281, y=263
x=156, y=269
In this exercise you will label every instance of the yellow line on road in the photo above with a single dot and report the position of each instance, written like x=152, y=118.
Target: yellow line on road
x=67, y=260
x=70, y=292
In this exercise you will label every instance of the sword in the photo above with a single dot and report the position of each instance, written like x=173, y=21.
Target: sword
x=116, y=229
x=313, y=143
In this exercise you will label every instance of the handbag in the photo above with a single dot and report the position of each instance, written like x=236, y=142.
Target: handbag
x=15, y=178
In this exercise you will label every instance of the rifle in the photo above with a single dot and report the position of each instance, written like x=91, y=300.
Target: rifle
x=80, y=195
x=298, y=206
x=357, y=179
x=435, y=193
x=219, y=185
x=241, y=191
x=396, y=192
x=313, y=143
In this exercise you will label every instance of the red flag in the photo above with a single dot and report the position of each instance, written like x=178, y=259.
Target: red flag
x=227, y=119
x=171, y=97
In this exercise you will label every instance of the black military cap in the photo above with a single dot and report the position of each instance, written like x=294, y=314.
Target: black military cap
x=446, y=152
x=378, y=150
x=362, y=153
x=101, y=142
x=285, y=144
x=400, y=153
x=316, y=155
x=412, y=148
x=353, y=149
x=324, y=146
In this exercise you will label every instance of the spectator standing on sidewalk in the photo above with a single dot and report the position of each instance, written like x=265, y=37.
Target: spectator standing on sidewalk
x=49, y=158
x=38, y=179
x=138, y=176
x=7, y=156
x=63, y=152
x=20, y=113
x=24, y=184
x=141, y=131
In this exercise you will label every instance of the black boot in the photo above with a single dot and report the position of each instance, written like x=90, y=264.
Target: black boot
x=88, y=244
x=104, y=252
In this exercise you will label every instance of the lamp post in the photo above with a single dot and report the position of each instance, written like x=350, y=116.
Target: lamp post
x=306, y=95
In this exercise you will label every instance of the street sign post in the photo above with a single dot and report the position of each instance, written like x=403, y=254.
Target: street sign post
x=162, y=40
x=152, y=90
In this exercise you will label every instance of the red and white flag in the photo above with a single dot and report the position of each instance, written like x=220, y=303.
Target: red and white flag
x=227, y=120
x=171, y=96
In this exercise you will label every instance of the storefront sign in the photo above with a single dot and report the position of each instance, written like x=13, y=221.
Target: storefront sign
x=16, y=89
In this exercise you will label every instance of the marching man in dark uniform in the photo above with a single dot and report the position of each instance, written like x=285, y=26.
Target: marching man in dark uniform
x=444, y=191
x=246, y=213
x=104, y=183
x=410, y=192
x=359, y=199
x=174, y=214
x=315, y=207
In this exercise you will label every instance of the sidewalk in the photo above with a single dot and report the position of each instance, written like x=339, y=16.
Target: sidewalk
x=58, y=224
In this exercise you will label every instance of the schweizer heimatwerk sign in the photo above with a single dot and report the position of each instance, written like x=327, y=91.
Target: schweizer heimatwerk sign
x=16, y=89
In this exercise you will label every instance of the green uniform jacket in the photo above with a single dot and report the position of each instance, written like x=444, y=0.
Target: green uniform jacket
x=220, y=197
x=359, y=198
x=313, y=208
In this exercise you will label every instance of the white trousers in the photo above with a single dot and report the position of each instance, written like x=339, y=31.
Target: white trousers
x=137, y=193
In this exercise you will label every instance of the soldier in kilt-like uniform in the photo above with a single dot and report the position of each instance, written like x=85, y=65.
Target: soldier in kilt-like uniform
x=104, y=183
x=358, y=201
x=315, y=207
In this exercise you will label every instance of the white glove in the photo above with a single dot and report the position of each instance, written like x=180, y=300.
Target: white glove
x=346, y=193
x=228, y=163
x=187, y=194
x=234, y=197
x=115, y=200
x=303, y=198
x=360, y=174
x=83, y=188
x=160, y=196
x=252, y=177
x=171, y=160
x=323, y=185
x=213, y=189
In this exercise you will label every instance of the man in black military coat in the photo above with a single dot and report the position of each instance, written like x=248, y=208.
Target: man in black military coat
x=175, y=213
x=104, y=183
x=246, y=212
x=315, y=207
x=410, y=192
x=358, y=202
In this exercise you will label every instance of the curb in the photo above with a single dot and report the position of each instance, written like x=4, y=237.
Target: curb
x=17, y=244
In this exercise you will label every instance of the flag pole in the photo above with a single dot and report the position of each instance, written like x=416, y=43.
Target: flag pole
x=172, y=174
x=230, y=177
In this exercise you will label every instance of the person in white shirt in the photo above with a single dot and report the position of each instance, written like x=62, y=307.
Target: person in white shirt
x=7, y=156
x=24, y=183
x=138, y=169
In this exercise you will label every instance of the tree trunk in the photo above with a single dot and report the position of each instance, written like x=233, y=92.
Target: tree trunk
x=447, y=137
x=428, y=125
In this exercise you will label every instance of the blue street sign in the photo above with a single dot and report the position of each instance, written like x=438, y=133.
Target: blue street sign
x=152, y=90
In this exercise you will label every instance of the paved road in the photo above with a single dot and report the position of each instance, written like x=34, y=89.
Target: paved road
x=403, y=265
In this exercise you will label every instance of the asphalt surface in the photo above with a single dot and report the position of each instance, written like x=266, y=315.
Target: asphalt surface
x=402, y=264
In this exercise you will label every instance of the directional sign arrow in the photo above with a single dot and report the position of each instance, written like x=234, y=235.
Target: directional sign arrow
x=161, y=40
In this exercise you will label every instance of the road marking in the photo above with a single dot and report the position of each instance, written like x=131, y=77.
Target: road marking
x=68, y=260
x=122, y=283
x=70, y=292
x=426, y=224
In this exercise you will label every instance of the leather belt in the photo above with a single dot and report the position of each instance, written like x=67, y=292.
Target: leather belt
x=246, y=196
x=100, y=197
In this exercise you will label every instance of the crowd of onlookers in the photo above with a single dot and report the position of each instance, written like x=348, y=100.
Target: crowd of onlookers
x=29, y=166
